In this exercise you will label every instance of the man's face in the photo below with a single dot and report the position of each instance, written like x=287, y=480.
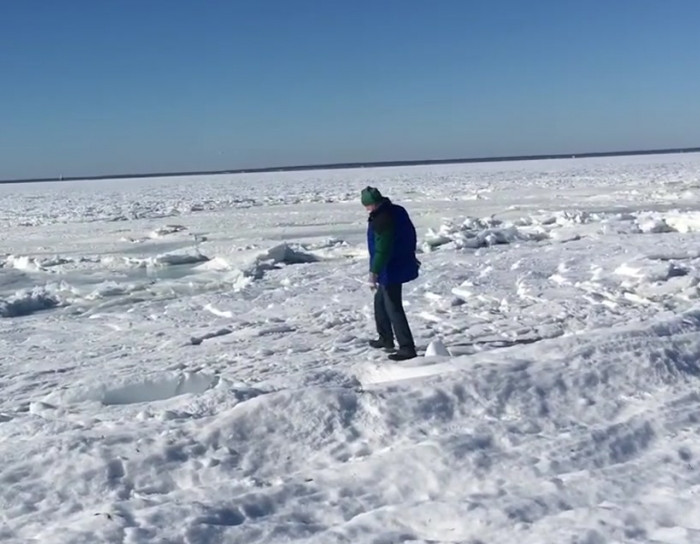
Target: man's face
x=370, y=208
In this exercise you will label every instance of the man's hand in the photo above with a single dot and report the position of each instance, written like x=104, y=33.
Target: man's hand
x=373, y=280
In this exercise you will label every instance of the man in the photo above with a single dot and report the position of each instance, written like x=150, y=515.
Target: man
x=391, y=240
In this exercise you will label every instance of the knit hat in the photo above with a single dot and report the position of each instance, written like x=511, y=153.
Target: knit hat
x=370, y=195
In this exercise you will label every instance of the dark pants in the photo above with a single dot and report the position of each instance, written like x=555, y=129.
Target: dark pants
x=390, y=316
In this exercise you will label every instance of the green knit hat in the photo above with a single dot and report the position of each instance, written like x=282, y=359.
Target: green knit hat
x=370, y=195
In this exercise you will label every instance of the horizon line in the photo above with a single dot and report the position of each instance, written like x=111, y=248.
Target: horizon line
x=359, y=164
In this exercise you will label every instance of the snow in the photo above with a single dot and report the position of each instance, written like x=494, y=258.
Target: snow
x=27, y=302
x=437, y=348
x=186, y=360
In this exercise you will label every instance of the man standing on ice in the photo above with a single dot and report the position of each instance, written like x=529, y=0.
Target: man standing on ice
x=391, y=240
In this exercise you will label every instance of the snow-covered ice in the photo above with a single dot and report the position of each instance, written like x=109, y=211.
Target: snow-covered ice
x=185, y=360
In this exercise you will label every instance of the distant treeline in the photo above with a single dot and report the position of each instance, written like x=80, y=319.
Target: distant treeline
x=338, y=166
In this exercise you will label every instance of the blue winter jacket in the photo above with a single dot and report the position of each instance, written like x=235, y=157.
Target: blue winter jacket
x=402, y=265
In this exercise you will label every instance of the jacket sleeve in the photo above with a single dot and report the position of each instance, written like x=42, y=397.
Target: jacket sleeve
x=383, y=227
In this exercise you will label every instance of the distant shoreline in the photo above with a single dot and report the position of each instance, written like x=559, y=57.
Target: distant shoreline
x=352, y=165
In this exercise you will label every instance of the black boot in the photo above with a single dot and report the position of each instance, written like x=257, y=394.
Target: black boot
x=403, y=354
x=382, y=343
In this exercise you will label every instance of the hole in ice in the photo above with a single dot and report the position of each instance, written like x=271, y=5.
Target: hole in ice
x=160, y=389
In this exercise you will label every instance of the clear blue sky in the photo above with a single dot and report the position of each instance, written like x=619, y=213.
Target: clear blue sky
x=95, y=86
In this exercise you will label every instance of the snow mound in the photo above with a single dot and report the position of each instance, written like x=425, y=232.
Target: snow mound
x=110, y=289
x=215, y=264
x=475, y=233
x=279, y=256
x=328, y=243
x=654, y=226
x=176, y=258
x=562, y=218
x=559, y=226
x=647, y=271
x=25, y=263
x=27, y=302
x=160, y=388
x=317, y=419
x=667, y=222
x=437, y=348
x=166, y=230
x=684, y=222
x=286, y=254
